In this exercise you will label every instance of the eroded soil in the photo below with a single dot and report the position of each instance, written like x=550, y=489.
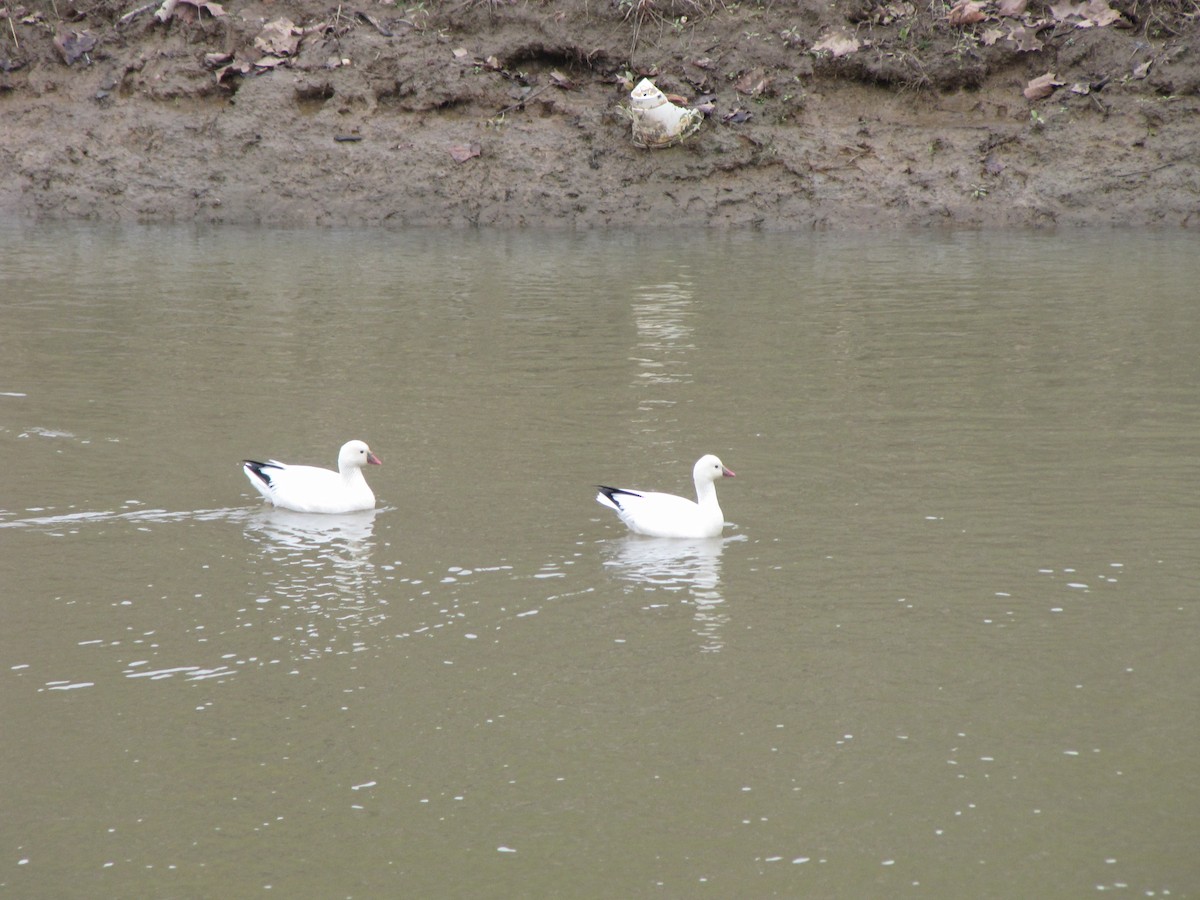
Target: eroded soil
x=843, y=114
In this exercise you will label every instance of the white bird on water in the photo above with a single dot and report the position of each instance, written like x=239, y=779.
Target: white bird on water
x=666, y=515
x=316, y=490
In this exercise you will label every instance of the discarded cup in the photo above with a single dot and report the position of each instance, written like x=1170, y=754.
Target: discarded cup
x=657, y=122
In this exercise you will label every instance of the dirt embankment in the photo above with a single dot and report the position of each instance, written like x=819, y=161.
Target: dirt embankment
x=839, y=114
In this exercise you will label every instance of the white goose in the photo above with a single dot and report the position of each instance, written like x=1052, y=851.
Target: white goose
x=310, y=489
x=665, y=515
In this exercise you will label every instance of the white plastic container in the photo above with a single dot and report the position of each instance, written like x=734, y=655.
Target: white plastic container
x=657, y=122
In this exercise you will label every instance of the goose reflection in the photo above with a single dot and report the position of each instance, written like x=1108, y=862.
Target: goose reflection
x=282, y=528
x=320, y=570
x=692, y=567
x=661, y=313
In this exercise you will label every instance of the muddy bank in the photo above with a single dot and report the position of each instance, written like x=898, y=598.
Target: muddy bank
x=820, y=115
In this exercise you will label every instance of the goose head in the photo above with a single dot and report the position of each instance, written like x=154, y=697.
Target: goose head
x=709, y=468
x=356, y=454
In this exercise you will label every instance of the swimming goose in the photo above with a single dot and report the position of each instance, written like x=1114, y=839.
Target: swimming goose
x=665, y=515
x=311, y=489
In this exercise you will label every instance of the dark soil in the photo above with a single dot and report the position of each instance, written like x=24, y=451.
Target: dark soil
x=484, y=112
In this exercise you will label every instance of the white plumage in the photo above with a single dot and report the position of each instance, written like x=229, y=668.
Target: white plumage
x=666, y=515
x=316, y=490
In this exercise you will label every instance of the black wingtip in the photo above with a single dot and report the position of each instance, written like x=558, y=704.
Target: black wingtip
x=259, y=469
x=611, y=492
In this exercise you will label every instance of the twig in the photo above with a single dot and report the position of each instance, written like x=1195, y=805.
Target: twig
x=524, y=100
x=373, y=22
x=8, y=15
x=1150, y=171
x=134, y=13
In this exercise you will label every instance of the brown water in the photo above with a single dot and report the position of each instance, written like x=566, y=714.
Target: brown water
x=947, y=647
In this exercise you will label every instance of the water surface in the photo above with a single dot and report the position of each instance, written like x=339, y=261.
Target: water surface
x=946, y=646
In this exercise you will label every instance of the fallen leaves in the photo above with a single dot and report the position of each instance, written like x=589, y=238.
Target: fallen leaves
x=1016, y=24
x=276, y=45
x=893, y=12
x=966, y=12
x=227, y=65
x=990, y=36
x=1026, y=39
x=1099, y=13
x=189, y=10
x=22, y=15
x=1078, y=13
x=753, y=84
x=460, y=153
x=1085, y=15
x=837, y=44
x=1091, y=14
x=279, y=37
x=1042, y=86
x=74, y=45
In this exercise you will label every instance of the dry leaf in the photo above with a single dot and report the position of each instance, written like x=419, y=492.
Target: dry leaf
x=966, y=12
x=237, y=67
x=1042, y=86
x=1081, y=87
x=279, y=37
x=170, y=7
x=837, y=44
x=893, y=12
x=460, y=153
x=1143, y=70
x=74, y=45
x=1064, y=9
x=1013, y=8
x=990, y=36
x=1100, y=13
x=752, y=83
x=1025, y=39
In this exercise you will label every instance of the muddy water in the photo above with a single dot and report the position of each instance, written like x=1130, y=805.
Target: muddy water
x=946, y=647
